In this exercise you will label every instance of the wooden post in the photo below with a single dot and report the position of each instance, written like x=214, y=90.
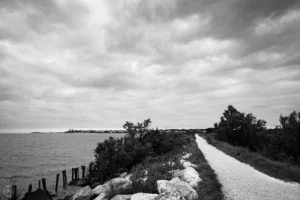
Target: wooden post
x=14, y=192
x=39, y=184
x=83, y=171
x=90, y=169
x=44, y=184
x=77, y=170
x=30, y=188
x=57, y=179
x=73, y=173
x=64, y=179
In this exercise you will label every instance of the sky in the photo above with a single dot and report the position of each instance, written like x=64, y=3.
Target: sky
x=97, y=64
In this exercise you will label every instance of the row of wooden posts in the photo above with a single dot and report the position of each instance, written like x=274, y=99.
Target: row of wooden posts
x=75, y=176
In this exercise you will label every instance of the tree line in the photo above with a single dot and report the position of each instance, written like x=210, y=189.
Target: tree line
x=281, y=143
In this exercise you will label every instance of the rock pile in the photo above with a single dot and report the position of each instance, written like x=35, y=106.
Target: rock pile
x=181, y=187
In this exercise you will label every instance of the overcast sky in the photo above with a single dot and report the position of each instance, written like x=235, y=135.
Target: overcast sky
x=71, y=63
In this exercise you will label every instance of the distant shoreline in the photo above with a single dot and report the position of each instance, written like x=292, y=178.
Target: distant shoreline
x=72, y=131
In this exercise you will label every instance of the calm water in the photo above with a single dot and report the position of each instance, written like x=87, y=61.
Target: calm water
x=31, y=157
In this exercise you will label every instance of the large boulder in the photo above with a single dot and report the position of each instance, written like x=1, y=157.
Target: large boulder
x=103, y=190
x=85, y=193
x=116, y=185
x=178, y=185
x=189, y=175
x=122, y=197
x=144, y=196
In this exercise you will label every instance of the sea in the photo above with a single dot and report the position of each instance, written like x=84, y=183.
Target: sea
x=27, y=158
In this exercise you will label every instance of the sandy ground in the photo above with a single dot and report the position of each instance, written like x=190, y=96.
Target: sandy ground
x=241, y=181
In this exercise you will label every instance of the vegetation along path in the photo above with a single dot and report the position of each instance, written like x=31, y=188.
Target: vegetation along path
x=241, y=181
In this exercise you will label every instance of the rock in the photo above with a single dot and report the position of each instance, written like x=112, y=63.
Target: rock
x=170, y=196
x=95, y=184
x=186, y=164
x=81, y=182
x=189, y=175
x=102, y=189
x=177, y=185
x=143, y=196
x=122, y=197
x=102, y=197
x=118, y=181
x=187, y=156
x=69, y=197
x=171, y=163
x=37, y=195
x=73, y=182
x=116, y=185
x=128, y=177
x=85, y=193
x=123, y=188
x=123, y=175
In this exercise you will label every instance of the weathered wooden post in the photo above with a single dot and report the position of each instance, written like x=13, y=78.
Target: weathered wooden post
x=44, y=184
x=57, y=179
x=76, y=173
x=39, y=184
x=30, y=188
x=14, y=192
x=83, y=171
x=64, y=179
x=73, y=173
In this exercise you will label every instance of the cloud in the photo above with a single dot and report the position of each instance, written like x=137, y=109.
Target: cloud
x=68, y=64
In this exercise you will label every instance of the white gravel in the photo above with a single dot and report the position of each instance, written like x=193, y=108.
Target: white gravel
x=241, y=181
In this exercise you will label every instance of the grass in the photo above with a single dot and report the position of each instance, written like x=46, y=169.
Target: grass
x=209, y=188
x=283, y=171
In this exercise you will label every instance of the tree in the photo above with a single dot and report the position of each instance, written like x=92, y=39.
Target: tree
x=137, y=131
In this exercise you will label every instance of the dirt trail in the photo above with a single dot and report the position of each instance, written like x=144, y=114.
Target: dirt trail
x=242, y=182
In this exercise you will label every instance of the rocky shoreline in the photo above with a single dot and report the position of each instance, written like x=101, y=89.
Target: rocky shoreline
x=181, y=186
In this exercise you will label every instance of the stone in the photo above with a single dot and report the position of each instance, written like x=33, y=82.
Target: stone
x=37, y=195
x=123, y=188
x=189, y=175
x=95, y=184
x=102, y=189
x=102, y=197
x=178, y=185
x=186, y=164
x=116, y=185
x=85, y=193
x=128, y=177
x=170, y=196
x=121, y=197
x=144, y=196
x=123, y=175
x=81, y=182
x=186, y=156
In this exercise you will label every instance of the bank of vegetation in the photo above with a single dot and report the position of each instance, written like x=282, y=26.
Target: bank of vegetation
x=275, y=152
x=150, y=155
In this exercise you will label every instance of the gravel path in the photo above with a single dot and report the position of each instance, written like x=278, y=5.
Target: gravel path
x=241, y=181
